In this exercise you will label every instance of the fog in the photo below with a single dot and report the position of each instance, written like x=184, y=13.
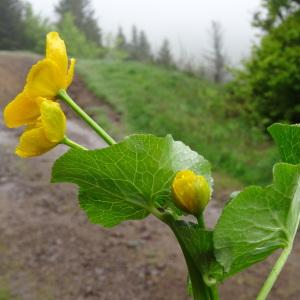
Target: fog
x=184, y=22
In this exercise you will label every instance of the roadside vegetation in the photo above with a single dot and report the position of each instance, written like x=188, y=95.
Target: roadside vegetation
x=5, y=294
x=159, y=101
x=222, y=116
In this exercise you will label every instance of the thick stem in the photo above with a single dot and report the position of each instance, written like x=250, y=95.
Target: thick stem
x=62, y=94
x=214, y=293
x=200, y=290
x=213, y=290
x=265, y=290
x=72, y=144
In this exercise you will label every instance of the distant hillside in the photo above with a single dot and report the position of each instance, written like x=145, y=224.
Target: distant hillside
x=154, y=100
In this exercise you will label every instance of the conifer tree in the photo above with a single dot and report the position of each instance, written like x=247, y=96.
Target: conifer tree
x=76, y=41
x=35, y=29
x=121, y=41
x=217, y=56
x=139, y=47
x=133, y=46
x=165, y=57
x=144, y=48
x=11, y=24
x=84, y=18
x=274, y=12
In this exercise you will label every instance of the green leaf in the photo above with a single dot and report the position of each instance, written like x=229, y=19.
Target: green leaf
x=128, y=180
x=258, y=221
x=287, y=138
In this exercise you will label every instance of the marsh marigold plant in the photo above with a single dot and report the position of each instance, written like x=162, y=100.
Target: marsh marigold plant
x=44, y=80
x=35, y=108
x=145, y=174
x=45, y=133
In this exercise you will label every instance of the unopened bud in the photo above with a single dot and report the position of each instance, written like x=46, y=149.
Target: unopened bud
x=191, y=192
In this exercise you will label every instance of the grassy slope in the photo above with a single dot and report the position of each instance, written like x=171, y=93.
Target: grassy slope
x=5, y=294
x=160, y=101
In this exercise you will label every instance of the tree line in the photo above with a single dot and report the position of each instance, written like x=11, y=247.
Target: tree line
x=21, y=28
x=267, y=88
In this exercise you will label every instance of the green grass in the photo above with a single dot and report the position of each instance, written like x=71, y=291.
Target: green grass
x=5, y=294
x=159, y=101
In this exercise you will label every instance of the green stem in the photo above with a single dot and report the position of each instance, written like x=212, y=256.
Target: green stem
x=200, y=290
x=164, y=217
x=72, y=144
x=201, y=221
x=213, y=290
x=265, y=290
x=214, y=293
x=62, y=94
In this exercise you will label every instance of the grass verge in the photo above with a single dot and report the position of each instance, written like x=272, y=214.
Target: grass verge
x=154, y=100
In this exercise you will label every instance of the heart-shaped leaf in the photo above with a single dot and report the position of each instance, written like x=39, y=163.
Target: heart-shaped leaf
x=127, y=180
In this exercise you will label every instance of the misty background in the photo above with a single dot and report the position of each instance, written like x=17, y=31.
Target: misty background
x=184, y=23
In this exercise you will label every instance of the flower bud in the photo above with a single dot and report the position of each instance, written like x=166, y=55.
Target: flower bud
x=191, y=192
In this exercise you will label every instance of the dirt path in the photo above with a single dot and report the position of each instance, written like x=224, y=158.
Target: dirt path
x=48, y=249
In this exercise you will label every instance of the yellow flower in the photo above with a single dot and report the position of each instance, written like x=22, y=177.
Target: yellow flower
x=48, y=130
x=191, y=192
x=45, y=79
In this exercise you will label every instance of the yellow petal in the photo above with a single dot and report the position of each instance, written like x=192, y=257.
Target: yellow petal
x=21, y=111
x=191, y=192
x=70, y=74
x=33, y=142
x=44, y=80
x=56, y=51
x=53, y=121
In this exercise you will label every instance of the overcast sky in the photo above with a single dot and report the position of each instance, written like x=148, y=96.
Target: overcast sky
x=184, y=22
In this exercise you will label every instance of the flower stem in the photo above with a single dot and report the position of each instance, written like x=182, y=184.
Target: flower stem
x=72, y=144
x=213, y=289
x=265, y=290
x=214, y=293
x=62, y=94
x=199, y=288
x=201, y=221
